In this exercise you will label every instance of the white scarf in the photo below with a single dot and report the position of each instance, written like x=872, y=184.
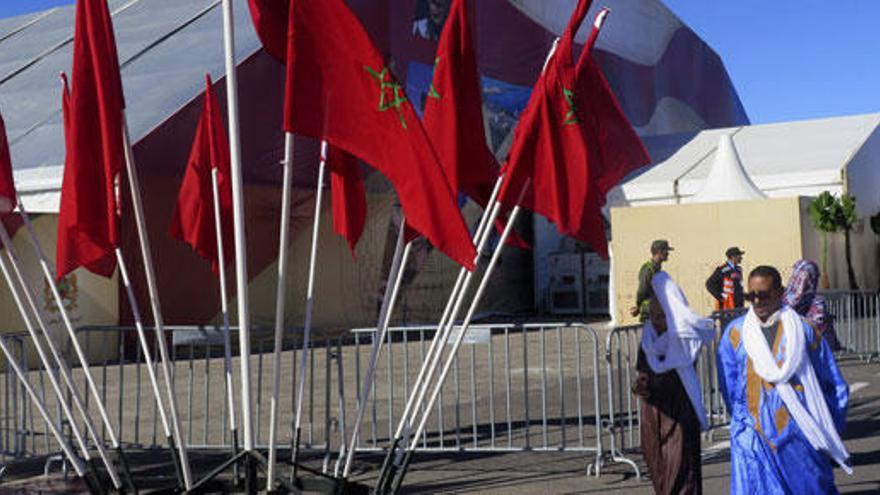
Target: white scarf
x=679, y=347
x=814, y=419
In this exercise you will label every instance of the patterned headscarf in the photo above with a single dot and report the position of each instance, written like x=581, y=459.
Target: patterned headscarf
x=801, y=296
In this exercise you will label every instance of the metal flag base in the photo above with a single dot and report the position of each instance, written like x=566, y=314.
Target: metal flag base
x=254, y=467
x=317, y=481
x=246, y=462
x=314, y=481
x=393, y=470
x=122, y=460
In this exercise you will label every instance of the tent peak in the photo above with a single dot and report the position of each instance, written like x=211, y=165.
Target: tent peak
x=728, y=179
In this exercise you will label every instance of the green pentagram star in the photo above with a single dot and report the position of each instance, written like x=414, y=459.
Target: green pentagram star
x=397, y=96
x=432, y=93
x=570, y=116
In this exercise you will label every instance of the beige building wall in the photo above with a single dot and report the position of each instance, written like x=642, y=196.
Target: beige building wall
x=768, y=230
x=89, y=299
x=348, y=291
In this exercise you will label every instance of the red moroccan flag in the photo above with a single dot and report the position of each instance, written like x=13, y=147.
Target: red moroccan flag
x=270, y=22
x=453, y=115
x=348, y=195
x=619, y=150
x=339, y=89
x=193, y=220
x=88, y=218
x=549, y=155
x=8, y=197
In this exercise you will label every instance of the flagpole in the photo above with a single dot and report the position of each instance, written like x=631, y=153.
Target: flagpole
x=283, y=245
x=441, y=335
x=224, y=309
x=63, y=369
x=395, y=277
x=460, y=337
x=444, y=330
x=150, y=275
x=44, y=359
x=241, y=278
x=148, y=358
x=445, y=327
x=77, y=463
x=68, y=325
x=310, y=302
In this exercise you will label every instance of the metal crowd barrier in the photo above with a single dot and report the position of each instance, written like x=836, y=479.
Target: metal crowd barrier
x=118, y=368
x=11, y=415
x=624, y=408
x=513, y=387
x=22, y=430
x=856, y=319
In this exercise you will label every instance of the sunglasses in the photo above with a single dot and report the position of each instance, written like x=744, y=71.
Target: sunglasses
x=761, y=295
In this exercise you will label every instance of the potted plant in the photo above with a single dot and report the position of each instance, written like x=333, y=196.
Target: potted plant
x=846, y=219
x=823, y=213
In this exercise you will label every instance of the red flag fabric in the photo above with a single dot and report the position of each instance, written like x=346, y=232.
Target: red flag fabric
x=8, y=197
x=349, y=201
x=348, y=196
x=619, y=150
x=88, y=218
x=340, y=89
x=270, y=22
x=193, y=221
x=453, y=115
x=548, y=157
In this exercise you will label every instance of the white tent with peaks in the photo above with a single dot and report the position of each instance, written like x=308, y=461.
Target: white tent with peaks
x=749, y=187
x=728, y=180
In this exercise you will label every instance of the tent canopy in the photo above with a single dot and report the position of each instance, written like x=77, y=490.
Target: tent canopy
x=166, y=46
x=840, y=154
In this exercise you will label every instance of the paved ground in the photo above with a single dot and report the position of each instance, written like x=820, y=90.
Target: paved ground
x=562, y=473
x=518, y=473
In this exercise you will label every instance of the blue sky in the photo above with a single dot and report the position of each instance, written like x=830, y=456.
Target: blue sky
x=789, y=59
x=794, y=59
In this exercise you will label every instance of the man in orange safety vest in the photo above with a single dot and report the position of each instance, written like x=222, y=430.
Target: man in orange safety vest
x=725, y=283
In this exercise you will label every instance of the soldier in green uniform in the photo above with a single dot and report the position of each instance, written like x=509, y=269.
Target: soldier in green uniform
x=659, y=254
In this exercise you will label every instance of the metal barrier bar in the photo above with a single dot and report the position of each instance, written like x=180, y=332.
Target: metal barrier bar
x=527, y=390
x=536, y=381
x=855, y=319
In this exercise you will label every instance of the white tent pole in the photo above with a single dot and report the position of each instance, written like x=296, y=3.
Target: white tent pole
x=68, y=325
x=464, y=326
x=152, y=288
x=396, y=272
x=441, y=335
x=224, y=309
x=77, y=463
x=280, y=297
x=44, y=359
x=63, y=369
x=241, y=279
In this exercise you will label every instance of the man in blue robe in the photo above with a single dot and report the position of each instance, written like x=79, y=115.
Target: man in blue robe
x=785, y=394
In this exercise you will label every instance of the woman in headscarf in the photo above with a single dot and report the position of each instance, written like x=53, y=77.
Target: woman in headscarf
x=801, y=296
x=672, y=406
